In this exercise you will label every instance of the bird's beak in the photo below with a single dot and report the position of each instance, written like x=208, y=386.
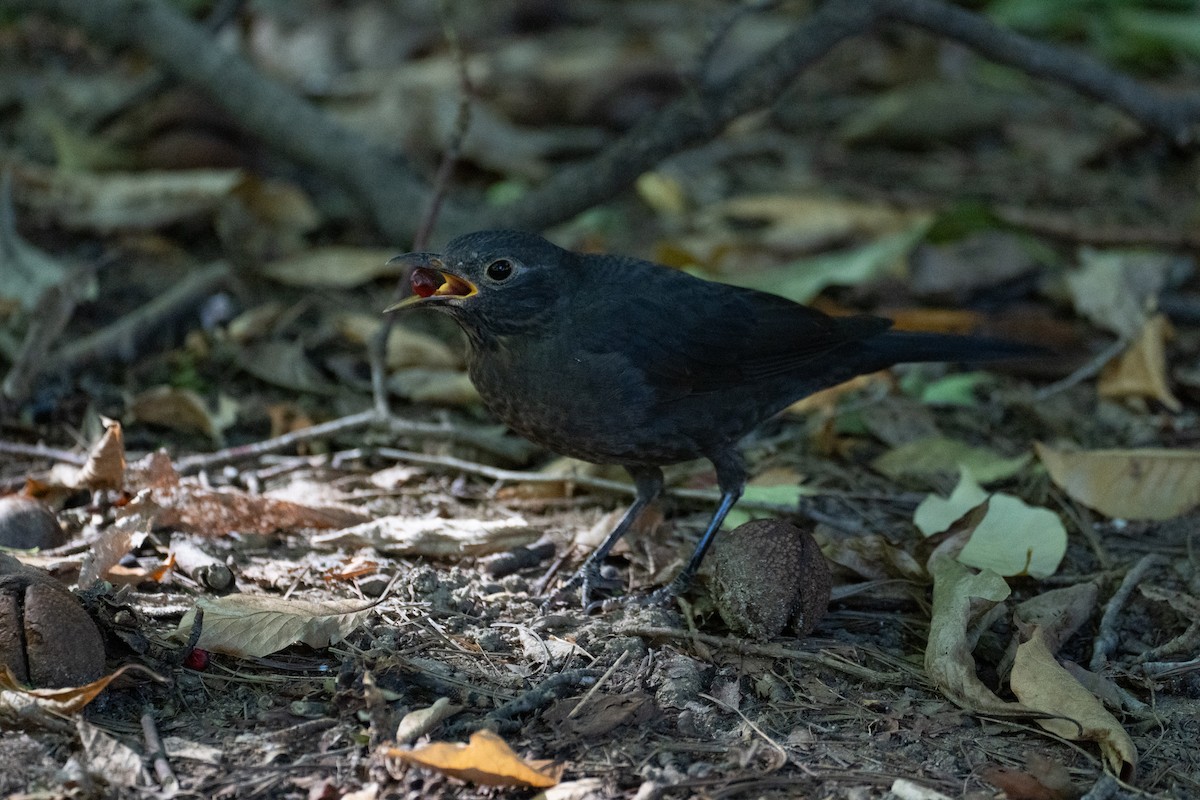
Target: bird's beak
x=430, y=281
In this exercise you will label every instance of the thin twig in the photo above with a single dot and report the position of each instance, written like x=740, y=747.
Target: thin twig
x=42, y=451
x=770, y=651
x=377, y=346
x=586, y=481
x=158, y=756
x=1173, y=116
x=1089, y=370
x=608, y=673
x=1106, y=638
x=503, y=446
x=114, y=340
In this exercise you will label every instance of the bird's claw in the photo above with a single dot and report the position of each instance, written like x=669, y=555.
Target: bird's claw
x=588, y=579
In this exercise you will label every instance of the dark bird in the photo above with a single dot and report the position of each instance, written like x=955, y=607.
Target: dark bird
x=615, y=360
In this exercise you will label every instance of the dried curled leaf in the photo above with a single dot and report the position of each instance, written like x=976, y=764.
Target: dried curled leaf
x=486, y=759
x=1041, y=683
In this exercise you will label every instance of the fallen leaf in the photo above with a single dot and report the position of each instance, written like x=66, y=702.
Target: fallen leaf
x=1116, y=289
x=443, y=387
x=110, y=201
x=1015, y=538
x=1141, y=371
x=778, y=487
x=284, y=364
x=333, y=267
x=1127, y=484
x=1059, y=612
x=802, y=280
x=958, y=596
x=1042, y=684
x=795, y=221
x=661, y=192
x=940, y=455
x=106, y=755
x=432, y=538
x=68, y=699
x=183, y=410
x=105, y=465
x=212, y=512
x=936, y=514
x=253, y=626
x=486, y=760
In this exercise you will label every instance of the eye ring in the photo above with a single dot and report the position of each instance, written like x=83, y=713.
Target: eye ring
x=500, y=270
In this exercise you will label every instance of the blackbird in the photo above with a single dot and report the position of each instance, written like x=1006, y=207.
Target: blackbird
x=615, y=360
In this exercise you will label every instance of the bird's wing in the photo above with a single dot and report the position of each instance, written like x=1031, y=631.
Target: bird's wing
x=690, y=336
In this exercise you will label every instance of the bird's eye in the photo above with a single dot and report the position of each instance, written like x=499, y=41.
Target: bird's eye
x=500, y=269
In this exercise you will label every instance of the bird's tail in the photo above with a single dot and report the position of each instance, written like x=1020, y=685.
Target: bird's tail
x=905, y=347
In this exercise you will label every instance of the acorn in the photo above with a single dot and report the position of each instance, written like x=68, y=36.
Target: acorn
x=769, y=575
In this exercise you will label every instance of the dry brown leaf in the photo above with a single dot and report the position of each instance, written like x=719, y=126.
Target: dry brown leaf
x=1042, y=684
x=1141, y=371
x=181, y=410
x=105, y=465
x=211, y=512
x=110, y=201
x=334, y=267
x=253, y=626
x=152, y=471
x=110, y=547
x=432, y=538
x=958, y=596
x=1128, y=484
x=68, y=699
x=486, y=759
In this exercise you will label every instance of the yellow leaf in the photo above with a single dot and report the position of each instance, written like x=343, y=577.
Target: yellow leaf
x=1141, y=371
x=486, y=760
x=1041, y=683
x=1129, y=484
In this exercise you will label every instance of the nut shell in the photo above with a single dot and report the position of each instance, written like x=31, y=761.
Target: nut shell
x=769, y=575
x=26, y=523
x=46, y=637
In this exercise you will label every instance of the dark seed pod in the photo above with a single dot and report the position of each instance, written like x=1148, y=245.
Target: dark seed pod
x=769, y=575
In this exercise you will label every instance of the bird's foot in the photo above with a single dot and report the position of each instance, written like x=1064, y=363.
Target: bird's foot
x=589, y=580
x=662, y=596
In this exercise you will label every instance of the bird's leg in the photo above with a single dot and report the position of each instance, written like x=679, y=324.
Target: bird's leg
x=731, y=479
x=649, y=483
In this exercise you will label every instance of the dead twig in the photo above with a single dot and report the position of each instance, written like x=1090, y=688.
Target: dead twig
x=116, y=339
x=1106, y=638
x=503, y=446
x=749, y=648
x=517, y=476
x=377, y=347
x=158, y=756
x=382, y=182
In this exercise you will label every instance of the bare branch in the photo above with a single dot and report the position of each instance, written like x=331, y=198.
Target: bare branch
x=384, y=183
x=698, y=117
x=1174, y=117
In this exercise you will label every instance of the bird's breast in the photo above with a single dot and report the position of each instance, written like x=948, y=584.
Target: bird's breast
x=592, y=406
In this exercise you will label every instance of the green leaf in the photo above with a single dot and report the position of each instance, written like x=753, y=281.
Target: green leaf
x=803, y=280
x=1015, y=538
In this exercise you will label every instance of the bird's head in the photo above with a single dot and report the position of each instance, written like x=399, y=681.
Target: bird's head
x=491, y=282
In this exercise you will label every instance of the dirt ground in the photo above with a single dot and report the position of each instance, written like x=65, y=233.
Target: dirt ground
x=377, y=587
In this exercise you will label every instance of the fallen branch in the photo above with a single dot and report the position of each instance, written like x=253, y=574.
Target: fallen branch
x=383, y=182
